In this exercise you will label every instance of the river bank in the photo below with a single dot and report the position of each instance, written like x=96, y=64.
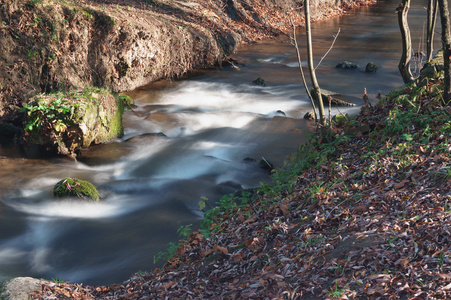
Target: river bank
x=364, y=212
x=65, y=45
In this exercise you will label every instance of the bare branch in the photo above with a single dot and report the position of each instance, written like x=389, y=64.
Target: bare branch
x=330, y=48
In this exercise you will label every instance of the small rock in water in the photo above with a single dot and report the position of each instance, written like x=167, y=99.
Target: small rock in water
x=259, y=81
x=371, y=67
x=346, y=65
x=309, y=116
x=72, y=187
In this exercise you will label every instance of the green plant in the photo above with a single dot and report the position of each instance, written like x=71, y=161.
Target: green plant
x=32, y=53
x=443, y=175
x=441, y=259
x=391, y=240
x=171, y=249
x=57, y=280
x=37, y=112
x=184, y=231
x=336, y=292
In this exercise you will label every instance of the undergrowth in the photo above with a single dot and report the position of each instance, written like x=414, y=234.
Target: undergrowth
x=413, y=116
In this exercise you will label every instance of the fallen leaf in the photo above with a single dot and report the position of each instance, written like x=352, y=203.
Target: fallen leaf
x=285, y=209
x=222, y=249
x=445, y=276
x=169, y=284
x=251, y=220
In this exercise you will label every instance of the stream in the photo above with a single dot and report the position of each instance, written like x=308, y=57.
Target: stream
x=217, y=127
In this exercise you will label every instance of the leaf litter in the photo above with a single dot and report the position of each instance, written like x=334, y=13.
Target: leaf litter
x=355, y=215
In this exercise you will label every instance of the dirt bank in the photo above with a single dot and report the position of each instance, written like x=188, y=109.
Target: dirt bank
x=123, y=44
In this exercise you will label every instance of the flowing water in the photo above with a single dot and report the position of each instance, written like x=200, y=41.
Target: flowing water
x=218, y=125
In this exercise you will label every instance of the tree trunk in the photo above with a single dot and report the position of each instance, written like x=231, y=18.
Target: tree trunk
x=316, y=89
x=446, y=45
x=432, y=17
x=404, y=63
x=301, y=71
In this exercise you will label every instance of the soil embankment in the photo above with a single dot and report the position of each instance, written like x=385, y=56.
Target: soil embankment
x=121, y=45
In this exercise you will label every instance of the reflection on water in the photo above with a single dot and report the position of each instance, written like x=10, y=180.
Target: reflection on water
x=217, y=125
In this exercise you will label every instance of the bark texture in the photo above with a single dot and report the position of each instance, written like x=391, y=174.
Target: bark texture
x=446, y=45
x=431, y=20
x=316, y=88
x=404, y=63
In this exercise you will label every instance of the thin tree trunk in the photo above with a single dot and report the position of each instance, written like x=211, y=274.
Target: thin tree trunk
x=404, y=63
x=316, y=89
x=432, y=17
x=446, y=45
x=301, y=71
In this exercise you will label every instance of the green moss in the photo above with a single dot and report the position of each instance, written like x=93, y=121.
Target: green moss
x=69, y=121
x=371, y=67
x=72, y=187
x=340, y=118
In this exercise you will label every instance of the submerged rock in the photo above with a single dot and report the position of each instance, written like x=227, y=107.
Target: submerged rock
x=259, y=81
x=72, y=187
x=66, y=122
x=346, y=65
x=309, y=116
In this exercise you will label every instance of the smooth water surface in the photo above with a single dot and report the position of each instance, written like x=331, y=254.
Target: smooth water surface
x=218, y=126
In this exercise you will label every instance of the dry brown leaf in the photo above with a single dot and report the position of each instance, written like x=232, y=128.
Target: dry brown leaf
x=401, y=184
x=285, y=209
x=207, y=252
x=377, y=276
x=251, y=220
x=445, y=276
x=238, y=257
x=253, y=258
x=169, y=284
x=222, y=249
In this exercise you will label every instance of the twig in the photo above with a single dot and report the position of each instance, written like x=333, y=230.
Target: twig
x=330, y=48
x=330, y=111
x=293, y=38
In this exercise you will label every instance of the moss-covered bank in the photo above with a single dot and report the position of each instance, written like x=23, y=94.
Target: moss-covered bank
x=64, y=123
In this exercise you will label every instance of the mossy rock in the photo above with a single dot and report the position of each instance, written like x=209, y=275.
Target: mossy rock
x=340, y=118
x=371, y=67
x=72, y=187
x=129, y=102
x=67, y=122
x=346, y=65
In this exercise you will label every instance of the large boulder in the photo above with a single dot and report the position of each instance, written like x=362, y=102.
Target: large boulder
x=72, y=187
x=66, y=122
